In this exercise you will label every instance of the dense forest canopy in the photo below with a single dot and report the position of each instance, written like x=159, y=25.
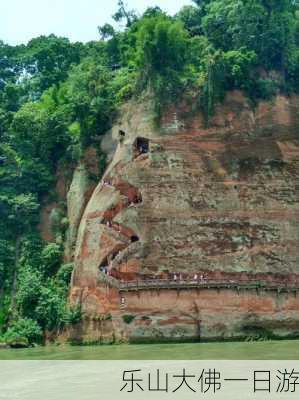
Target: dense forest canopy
x=58, y=97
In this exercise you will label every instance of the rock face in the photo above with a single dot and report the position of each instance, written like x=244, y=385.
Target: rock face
x=80, y=191
x=215, y=206
x=52, y=204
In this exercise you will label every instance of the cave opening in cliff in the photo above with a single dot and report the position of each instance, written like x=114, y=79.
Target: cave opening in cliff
x=137, y=199
x=121, y=135
x=142, y=145
x=103, y=267
x=134, y=238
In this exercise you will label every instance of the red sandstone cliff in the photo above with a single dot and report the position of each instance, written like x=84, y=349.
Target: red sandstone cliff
x=217, y=204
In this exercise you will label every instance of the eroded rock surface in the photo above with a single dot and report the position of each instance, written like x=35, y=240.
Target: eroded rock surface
x=188, y=201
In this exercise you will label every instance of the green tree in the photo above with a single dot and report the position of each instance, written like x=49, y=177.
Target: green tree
x=191, y=18
x=123, y=13
x=265, y=27
x=106, y=31
x=23, y=330
x=90, y=99
x=49, y=58
x=162, y=46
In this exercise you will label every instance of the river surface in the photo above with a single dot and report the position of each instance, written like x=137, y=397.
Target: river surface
x=270, y=350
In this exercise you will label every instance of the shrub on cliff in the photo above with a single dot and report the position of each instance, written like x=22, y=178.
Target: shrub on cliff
x=65, y=273
x=72, y=315
x=128, y=319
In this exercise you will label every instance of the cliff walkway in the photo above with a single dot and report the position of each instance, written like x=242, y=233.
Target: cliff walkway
x=248, y=284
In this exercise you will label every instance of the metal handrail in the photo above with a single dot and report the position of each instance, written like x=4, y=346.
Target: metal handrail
x=143, y=284
x=166, y=283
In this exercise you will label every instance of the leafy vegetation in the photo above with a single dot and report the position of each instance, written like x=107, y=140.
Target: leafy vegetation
x=23, y=332
x=57, y=98
x=128, y=319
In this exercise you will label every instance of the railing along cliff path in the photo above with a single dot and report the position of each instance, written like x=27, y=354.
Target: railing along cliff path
x=246, y=284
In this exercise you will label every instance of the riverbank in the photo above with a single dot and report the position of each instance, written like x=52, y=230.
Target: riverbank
x=266, y=350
